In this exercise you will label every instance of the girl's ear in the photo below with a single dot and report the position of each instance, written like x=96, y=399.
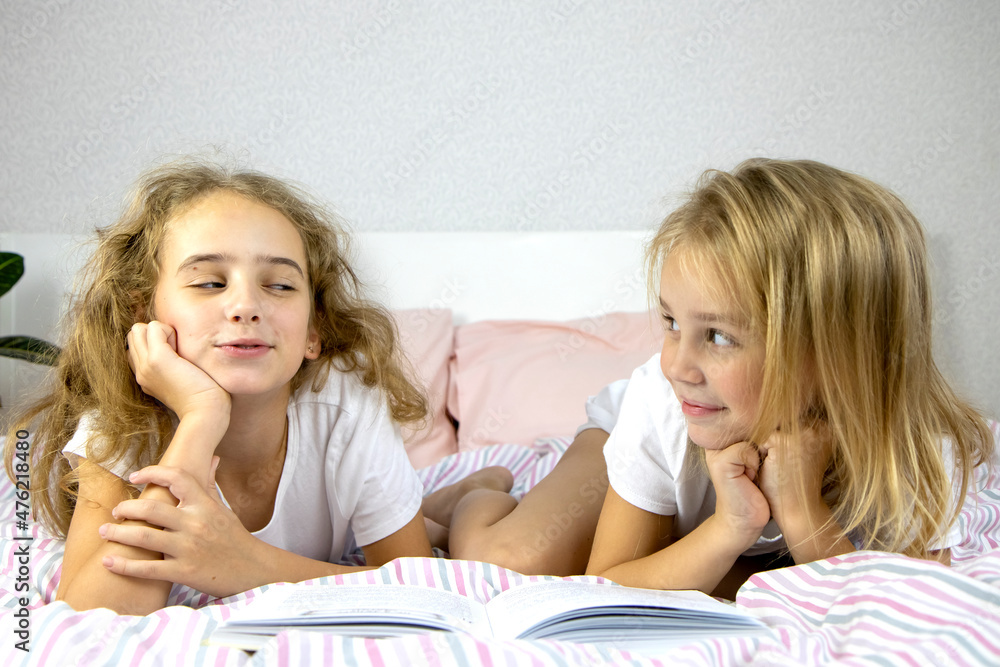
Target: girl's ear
x=313, y=344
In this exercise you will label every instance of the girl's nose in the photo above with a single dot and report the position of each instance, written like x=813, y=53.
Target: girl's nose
x=680, y=364
x=243, y=306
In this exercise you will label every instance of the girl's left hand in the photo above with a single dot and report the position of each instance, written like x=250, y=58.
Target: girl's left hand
x=786, y=461
x=204, y=544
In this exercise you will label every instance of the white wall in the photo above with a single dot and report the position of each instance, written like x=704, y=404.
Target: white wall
x=561, y=115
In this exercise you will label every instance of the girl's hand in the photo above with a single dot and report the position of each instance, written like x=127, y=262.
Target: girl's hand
x=204, y=544
x=169, y=378
x=791, y=477
x=739, y=501
x=785, y=462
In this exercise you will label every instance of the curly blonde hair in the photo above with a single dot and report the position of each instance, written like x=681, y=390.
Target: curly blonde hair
x=116, y=290
x=830, y=269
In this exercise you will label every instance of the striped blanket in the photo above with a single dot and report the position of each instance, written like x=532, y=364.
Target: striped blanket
x=865, y=608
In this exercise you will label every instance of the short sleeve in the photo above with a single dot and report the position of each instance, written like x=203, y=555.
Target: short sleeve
x=604, y=408
x=77, y=448
x=375, y=483
x=647, y=447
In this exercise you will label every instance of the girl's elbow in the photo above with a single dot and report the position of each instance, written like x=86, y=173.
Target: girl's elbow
x=599, y=567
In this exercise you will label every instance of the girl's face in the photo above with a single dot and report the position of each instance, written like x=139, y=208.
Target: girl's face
x=713, y=362
x=234, y=286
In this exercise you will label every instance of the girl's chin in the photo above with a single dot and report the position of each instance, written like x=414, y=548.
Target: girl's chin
x=709, y=445
x=712, y=441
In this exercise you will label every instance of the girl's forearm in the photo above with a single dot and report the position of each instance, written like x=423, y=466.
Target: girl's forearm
x=194, y=443
x=94, y=586
x=271, y=564
x=85, y=582
x=275, y=564
x=812, y=533
x=698, y=560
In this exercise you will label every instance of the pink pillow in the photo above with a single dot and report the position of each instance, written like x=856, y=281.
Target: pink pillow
x=426, y=336
x=516, y=381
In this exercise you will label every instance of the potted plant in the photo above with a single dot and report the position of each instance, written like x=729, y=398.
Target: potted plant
x=29, y=348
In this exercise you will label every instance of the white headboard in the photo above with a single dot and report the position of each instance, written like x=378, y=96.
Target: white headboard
x=506, y=275
x=478, y=275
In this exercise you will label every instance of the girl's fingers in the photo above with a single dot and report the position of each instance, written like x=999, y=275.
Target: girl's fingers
x=151, y=511
x=161, y=333
x=751, y=457
x=142, y=537
x=181, y=484
x=141, y=569
x=741, y=458
x=135, y=343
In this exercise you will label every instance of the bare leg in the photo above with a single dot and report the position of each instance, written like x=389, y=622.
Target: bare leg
x=438, y=506
x=551, y=530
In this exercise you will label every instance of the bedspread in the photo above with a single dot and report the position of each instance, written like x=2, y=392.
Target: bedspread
x=865, y=608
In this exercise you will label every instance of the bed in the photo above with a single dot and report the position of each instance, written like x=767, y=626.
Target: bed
x=508, y=344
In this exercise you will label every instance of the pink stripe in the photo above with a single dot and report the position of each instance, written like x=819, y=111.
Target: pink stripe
x=504, y=581
x=900, y=641
x=373, y=653
x=888, y=632
x=428, y=572
x=327, y=650
x=802, y=602
x=784, y=613
x=813, y=592
x=938, y=596
x=194, y=620
x=63, y=626
x=914, y=613
x=158, y=630
x=448, y=470
x=518, y=469
x=459, y=579
x=284, y=649
x=53, y=585
x=8, y=565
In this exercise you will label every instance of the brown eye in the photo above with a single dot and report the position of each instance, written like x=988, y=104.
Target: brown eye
x=719, y=338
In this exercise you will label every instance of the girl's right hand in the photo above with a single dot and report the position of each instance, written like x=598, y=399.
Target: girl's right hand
x=739, y=501
x=203, y=542
x=168, y=377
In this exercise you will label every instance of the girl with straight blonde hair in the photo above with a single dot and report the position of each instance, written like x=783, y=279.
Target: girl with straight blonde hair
x=224, y=412
x=795, y=409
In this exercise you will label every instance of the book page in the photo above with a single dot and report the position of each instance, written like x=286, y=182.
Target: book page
x=364, y=604
x=553, y=604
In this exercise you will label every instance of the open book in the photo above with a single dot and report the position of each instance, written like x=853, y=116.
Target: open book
x=577, y=611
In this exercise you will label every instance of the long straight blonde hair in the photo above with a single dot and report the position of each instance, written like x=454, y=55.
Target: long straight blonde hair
x=830, y=270
x=116, y=290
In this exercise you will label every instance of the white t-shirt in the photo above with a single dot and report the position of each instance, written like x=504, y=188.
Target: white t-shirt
x=652, y=466
x=346, y=479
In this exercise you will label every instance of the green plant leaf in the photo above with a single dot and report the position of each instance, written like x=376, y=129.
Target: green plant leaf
x=31, y=349
x=11, y=270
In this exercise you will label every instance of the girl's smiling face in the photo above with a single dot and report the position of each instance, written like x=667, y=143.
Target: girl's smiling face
x=234, y=286
x=711, y=358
